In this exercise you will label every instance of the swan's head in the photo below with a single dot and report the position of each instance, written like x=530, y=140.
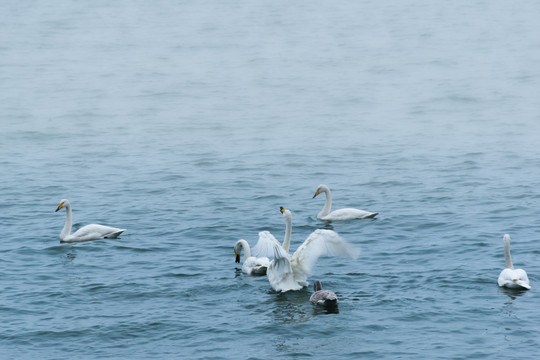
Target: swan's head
x=237, y=251
x=317, y=286
x=506, y=238
x=286, y=213
x=63, y=203
x=320, y=189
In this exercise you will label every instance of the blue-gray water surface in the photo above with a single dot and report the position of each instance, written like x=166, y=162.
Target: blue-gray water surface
x=189, y=123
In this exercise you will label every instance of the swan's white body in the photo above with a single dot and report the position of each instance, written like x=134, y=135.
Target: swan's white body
x=287, y=272
x=323, y=297
x=510, y=277
x=341, y=214
x=86, y=233
x=252, y=265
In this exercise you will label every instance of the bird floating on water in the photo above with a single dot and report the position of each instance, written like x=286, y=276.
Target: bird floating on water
x=323, y=297
x=251, y=265
x=86, y=233
x=510, y=277
x=287, y=272
x=340, y=214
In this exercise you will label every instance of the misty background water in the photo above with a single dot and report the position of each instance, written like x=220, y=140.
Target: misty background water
x=190, y=123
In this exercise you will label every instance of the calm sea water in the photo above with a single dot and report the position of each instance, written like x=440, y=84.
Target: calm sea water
x=190, y=123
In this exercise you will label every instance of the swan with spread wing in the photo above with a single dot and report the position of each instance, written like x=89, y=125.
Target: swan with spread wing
x=287, y=272
x=258, y=263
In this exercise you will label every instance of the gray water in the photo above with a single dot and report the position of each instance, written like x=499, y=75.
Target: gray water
x=189, y=123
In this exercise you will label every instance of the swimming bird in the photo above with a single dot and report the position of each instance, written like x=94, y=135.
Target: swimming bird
x=287, y=272
x=86, y=233
x=323, y=297
x=510, y=277
x=341, y=214
x=251, y=265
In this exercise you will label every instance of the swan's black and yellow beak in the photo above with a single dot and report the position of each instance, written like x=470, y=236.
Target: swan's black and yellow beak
x=316, y=193
x=59, y=207
x=281, y=209
x=237, y=257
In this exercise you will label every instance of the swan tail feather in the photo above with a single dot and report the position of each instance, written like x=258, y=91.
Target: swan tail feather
x=279, y=273
x=523, y=284
x=115, y=234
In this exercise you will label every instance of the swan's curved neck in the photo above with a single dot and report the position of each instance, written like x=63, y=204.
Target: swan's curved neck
x=288, y=229
x=507, y=257
x=247, y=250
x=66, y=231
x=327, y=205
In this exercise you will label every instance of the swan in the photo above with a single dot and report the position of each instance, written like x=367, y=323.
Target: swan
x=341, y=214
x=251, y=265
x=510, y=277
x=287, y=272
x=323, y=297
x=86, y=233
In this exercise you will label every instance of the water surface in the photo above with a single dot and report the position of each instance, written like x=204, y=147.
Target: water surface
x=191, y=123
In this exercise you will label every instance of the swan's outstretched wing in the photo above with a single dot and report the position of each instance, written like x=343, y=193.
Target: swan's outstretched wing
x=319, y=243
x=279, y=273
x=265, y=245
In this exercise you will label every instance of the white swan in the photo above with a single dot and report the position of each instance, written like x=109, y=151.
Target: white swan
x=510, y=277
x=287, y=272
x=86, y=233
x=323, y=297
x=251, y=265
x=341, y=214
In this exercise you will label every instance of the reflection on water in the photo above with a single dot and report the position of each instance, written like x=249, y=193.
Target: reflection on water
x=508, y=306
x=70, y=256
x=327, y=226
x=513, y=293
x=322, y=310
x=292, y=307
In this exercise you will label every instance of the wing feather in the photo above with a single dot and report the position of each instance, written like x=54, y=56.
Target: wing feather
x=279, y=273
x=320, y=243
x=265, y=245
